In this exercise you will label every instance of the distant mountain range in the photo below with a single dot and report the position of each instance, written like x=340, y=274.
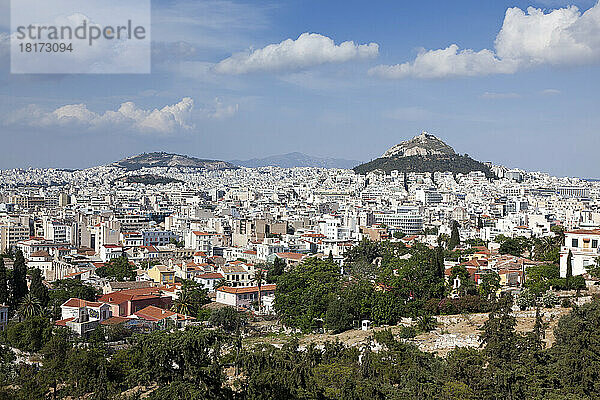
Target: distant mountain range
x=291, y=160
x=423, y=153
x=162, y=159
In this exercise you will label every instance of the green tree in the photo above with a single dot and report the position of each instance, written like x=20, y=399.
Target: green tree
x=540, y=277
x=191, y=298
x=19, y=279
x=467, y=284
x=119, y=269
x=547, y=249
x=489, y=285
x=275, y=270
x=576, y=353
x=303, y=294
x=37, y=288
x=454, y=240
x=30, y=334
x=4, y=294
x=338, y=317
x=227, y=318
x=593, y=270
x=569, y=270
x=30, y=306
x=399, y=234
x=55, y=367
x=559, y=232
x=526, y=299
x=513, y=246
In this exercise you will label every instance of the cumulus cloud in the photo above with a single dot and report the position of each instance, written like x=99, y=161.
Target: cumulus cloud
x=166, y=120
x=128, y=117
x=448, y=62
x=310, y=49
x=528, y=38
x=222, y=111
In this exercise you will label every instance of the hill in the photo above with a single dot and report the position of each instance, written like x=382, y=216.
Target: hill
x=423, y=153
x=291, y=160
x=162, y=159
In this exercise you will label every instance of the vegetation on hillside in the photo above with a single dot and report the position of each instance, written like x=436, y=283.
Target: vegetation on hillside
x=455, y=163
x=147, y=179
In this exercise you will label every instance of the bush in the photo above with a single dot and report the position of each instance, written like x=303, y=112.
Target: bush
x=577, y=283
x=407, y=332
x=549, y=299
x=228, y=318
x=526, y=299
x=566, y=303
x=465, y=304
x=426, y=323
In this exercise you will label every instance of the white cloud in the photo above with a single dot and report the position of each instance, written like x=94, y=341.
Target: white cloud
x=128, y=117
x=166, y=120
x=550, y=92
x=496, y=95
x=528, y=38
x=308, y=50
x=448, y=62
x=222, y=111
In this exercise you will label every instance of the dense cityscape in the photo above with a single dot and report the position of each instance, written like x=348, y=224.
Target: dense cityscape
x=122, y=257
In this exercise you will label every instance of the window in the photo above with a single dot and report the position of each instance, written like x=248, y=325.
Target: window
x=575, y=243
x=594, y=243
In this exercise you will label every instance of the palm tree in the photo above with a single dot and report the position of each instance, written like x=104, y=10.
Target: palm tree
x=30, y=306
x=259, y=276
x=182, y=304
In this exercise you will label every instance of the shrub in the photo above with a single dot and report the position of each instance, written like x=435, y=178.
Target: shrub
x=465, y=304
x=566, y=303
x=407, y=332
x=426, y=323
x=549, y=299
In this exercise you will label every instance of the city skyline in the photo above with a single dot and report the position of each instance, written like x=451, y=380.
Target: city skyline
x=237, y=81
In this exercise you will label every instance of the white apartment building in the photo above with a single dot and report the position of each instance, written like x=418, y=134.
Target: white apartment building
x=405, y=219
x=583, y=244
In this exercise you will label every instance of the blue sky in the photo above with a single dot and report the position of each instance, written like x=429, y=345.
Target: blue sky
x=519, y=89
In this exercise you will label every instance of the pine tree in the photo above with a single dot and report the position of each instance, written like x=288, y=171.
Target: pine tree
x=3, y=283
x=38, y=289
x=569, y=269
x=454, y=236
x=19, y=279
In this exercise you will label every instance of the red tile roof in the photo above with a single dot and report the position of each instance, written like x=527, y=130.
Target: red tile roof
x=63, y=322
x=130, y=295
x=211, y=275
x=585, y=232
x=114, y=320
x=292, y=256
x=152, y=313
x=78, y=303
x=249, y=289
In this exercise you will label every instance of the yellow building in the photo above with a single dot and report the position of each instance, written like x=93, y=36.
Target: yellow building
x=162, y=274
